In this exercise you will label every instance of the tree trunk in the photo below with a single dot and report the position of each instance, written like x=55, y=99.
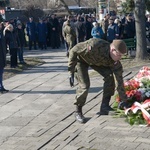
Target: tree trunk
x=78, y=2
x=139, y=12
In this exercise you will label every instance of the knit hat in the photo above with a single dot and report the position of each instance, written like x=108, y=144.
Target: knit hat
x=120, y=46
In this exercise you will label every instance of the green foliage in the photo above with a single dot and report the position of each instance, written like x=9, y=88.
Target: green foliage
x=118, y=112
x=135, y=119
x=146, y=83
x=147, y=5
x=131, y=118
x=115, y=105
x=129, y=6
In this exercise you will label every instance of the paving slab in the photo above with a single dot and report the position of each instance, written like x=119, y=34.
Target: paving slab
x=38, y=112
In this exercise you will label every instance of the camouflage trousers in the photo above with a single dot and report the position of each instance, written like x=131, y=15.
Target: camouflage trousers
x=84, y=82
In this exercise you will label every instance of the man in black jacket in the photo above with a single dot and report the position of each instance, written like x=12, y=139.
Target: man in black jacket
x=129, y=27
x=88, y=28
x=21, y=42
x=2, y=59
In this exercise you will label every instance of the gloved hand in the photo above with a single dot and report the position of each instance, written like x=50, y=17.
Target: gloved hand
x=71, y=80
x=123, y=105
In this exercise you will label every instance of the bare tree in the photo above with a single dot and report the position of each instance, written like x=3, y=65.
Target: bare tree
x=31, y=11
x=23, y=4
x=78, y=2
x=65, y=5
x=53, y=4
x=90, y=3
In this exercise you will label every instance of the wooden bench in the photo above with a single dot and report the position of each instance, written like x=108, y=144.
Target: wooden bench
x=131, y=43
x=131, y=46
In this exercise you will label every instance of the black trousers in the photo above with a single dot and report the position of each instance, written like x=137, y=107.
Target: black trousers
x=13, y=57
x=30, y=44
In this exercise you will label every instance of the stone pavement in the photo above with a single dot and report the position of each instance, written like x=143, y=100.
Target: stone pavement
x=37, y=113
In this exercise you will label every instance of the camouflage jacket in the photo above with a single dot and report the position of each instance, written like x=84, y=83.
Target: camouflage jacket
x=96, y=52
x=69, y=33
x=93, y=52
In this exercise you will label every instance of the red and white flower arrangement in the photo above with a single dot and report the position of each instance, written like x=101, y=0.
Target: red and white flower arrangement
x=138, y=97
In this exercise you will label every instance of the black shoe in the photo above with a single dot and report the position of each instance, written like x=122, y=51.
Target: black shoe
x=13, y=66
x=106, y=110
x=79, y=117
x=3, y=90
x=22, y=62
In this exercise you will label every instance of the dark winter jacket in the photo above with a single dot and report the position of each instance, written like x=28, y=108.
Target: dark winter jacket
x=54, y=26
x=2, y=50
x=11, y=39
x=129, y=29
x=42, y=32
x=112, y=32
x=20, y=34
x=88, y=29
x=31, y=30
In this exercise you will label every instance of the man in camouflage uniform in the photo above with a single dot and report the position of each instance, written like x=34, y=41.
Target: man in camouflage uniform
x=104, y=58
x=69, y=35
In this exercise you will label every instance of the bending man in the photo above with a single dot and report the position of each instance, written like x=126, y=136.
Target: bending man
x=104, y=58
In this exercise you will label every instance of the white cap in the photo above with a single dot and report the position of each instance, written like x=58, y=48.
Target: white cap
x=94, y=24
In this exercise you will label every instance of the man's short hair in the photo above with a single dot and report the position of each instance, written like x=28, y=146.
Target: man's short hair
x=120, y=46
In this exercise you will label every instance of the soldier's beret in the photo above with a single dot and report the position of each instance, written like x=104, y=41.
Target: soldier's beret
x=120, y=45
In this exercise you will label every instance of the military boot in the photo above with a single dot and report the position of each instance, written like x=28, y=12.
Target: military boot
x=105, y=109
x=78, y=115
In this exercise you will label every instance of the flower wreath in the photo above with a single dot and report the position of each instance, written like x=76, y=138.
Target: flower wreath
x=138, y=97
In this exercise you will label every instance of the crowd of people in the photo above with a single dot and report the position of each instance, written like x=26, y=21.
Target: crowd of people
x=80, y=28
x=52, y=31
